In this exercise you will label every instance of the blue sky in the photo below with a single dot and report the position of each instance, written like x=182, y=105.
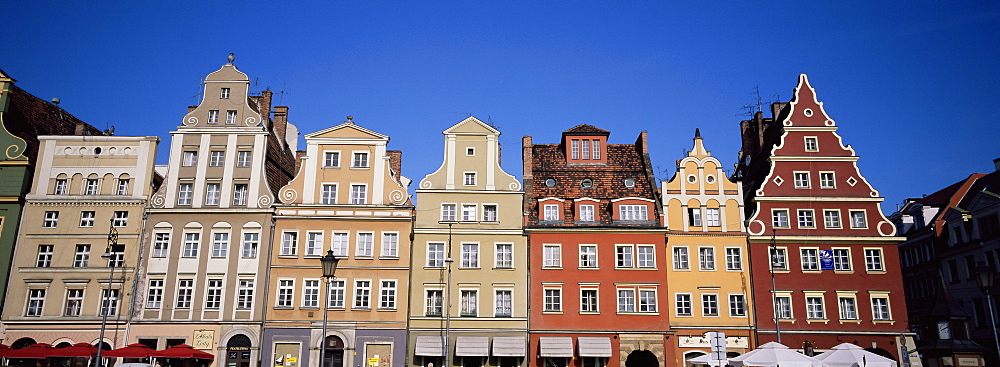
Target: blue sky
x=911, y=85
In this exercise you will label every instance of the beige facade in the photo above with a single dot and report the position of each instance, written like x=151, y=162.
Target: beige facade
x=349, y=198
x=708, y=276
x=85, y=188
x=469, y=297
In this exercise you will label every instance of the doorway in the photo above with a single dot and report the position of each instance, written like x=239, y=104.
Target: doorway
x=238, y=351
x=333, y=351
x=642, y=358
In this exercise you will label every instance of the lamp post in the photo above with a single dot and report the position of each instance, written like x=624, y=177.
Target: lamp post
x=109, y=256
x=329, y=269
x=985, y=278
x=774, y=287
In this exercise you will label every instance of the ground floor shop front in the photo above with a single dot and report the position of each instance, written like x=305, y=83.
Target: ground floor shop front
x=302, y=346
x=815, y=342
x=598, y=349
x=468, y=348
x=688, y=343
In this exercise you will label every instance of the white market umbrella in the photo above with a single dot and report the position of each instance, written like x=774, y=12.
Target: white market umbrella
x=850, y=355
x=775, y=354
x=707, y=359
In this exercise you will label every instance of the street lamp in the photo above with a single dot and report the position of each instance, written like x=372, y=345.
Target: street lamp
x=985, y=278
x=107, y=255
x=775, y=264
x=329, y=269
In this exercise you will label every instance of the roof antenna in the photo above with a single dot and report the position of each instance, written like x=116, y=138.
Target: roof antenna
x=758, y=103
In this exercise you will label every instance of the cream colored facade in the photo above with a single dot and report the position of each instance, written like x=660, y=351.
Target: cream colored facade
x=84, y=188
x=350, y=198
x=708, y=276
x=470, y=271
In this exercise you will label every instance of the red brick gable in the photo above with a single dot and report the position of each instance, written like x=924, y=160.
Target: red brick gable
x=30, y=116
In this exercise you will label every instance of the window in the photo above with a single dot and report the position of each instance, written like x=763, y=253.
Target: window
x=338, y=288
x=86, y=218
x=841, y=259
x=710, y=305
x=827, y=181
x=61, y=187
x=811, y=144
x=574, y=149
x=694, y=217
x=340, y=243
x=310, y=293
x=435, y=299
x=712, y=217
x=645, y=256
x=681, y=261
x=117, y=259
x=447, y=212
x=470, y=179
x=154, y=299
x=191, y=241
x=503, y=303
x=185, y=288
x=387, y=295
x=806, y=219
x=626, y=300
x=737, y=305
x=831, y=218
x=706, y=258
x=682, y=304
x=734, y=258
x=360, y=160
x=784, y=307
x=551, y=212
x=552, y=256
x=365, y=244
x=489, y=213
x=814, y=308
x=184, y=194
x=588, y=256
x=596, y=154
x=51, y=219
x=801, y=180
x=504, y=256
x=36, y=302
x=647, y=300
x=329, y=194
x=359, y=194
x=244, y=296
x=243, y=158
x=873, y=259
x=161, y=242
x=225, y=93
x=587, y=213
x=289, y=243
x=362, y=293
x=230, y=117
x=623, y=256
x=435, y=255
x=190, y=159
x=553, y=300
x=286, y=292
x=82, y=256
x=120, y=219
x=848, y=308
x=633, y=212
x=858, y=219
x=470, y=255
x=240, y=194
x=122, y=187
x=217, y=158
x=810, y=259
x=588, y=300
x=779, y=218
x=779, y=260
x=213, y=116
x=44, y=258
x=314, y=243
x=585, y=149
x=213, y=294
x=469, y=303
x=880, y=308
x=470, y=151
x=469, y=212
x=390, y=244
x=212, y=194
x=250, y=243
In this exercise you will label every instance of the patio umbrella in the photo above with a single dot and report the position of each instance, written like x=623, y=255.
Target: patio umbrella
x=775, y=354
x=850, y=355
x=707, y=359
x=34, y=351
x=4, y=348
x=181, y=351
x=76, y=350
x=130, y=351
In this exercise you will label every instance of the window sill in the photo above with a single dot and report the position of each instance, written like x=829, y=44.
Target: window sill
x=432, y=315
x=850, y=321
x=882, y=272
x=503, y=268
x=331, y=167
x=824, y=321
x=811, y=271
x=284, y=308
x=361, y=309
x=385, y=309
x=734, y=270
x=890, y=322
x=781, y=271
x=644, y=313
x=552, y=312
x=684, y=269
x=288, y=256
x=790, y=321
x=843, y=271
x=588, y=268
x=590, y=312
x=552, y=268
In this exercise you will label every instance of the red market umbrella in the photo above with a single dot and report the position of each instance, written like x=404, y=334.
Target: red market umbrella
x=34, y=351
x=4, y=348
x=76, y=350
x=181, y=351
x=130, y=351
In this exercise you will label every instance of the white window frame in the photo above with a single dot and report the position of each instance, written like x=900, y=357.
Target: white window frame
x=706, y=258
x=713, y=217
x=809, y=258
x=644, y=259
x=815, y=311
x=243, y=158
x=864, y=218
x=449, y=212
x=120, y=218
x=310, y=292
x=805, y=218
x=337, y=294
x=331, y=159
x=433, y=302
x=503, y=303
x=231, y=117
x=872, y=261
x=87, y=218
x=633, y=212
x=681, y=257
x=390, y=245
x=709, y=302
x=341, y=243
x=217, y=158
x=51, y=219
x=491, y=213
x=224, y=94
x=122, y=187
x=876, y=312
x=314, y=243
x=469, y=255
x=468, y=179
x=362, y=294
x=827, y=180
x=468, y=304
x=220, y=244
x=846, y=314
x=588, y=256
x=551, y=212
x=470, y=212
x=191, y=244
x=435, y=254
x=801, y=179
x=213, y=293
x=815, y=143
x=35, y=302
x=61, y=187
x=626, y=300
x=213, y=116
x=285, y=297
x=831, y=219
x=786, y=314
x=44, y=256
x=190, y=158
x=783, y=252
x=359, y=160
x=587, y=212
x=740, y=311
x=184, y=191
x=244, y=295
x=250, y=245
x=213, y=191
x=734, y=258
x=387, y=294
x=289, y=243
x=81, y=257
x=683, y=302
x=364, y=246
x=184, y=298
x=359, y=197
x=552, y=256
x=846, y=260
x=503, y=256
x=588, y=305
x=624, y=256
x=240, y=194
x=776, y=218
x=154, y=295
x=552, y=298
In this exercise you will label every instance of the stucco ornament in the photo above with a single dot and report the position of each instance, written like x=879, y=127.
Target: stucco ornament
x=251, y=121
x=158, y=200
x=264, y=201
x=191, y=121
x=396, y=197
x=289, y=195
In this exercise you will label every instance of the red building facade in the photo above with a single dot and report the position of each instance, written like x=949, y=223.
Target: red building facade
x=817, y=229
x=598, y=280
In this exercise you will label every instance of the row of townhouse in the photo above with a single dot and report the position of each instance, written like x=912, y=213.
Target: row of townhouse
x=591, y=263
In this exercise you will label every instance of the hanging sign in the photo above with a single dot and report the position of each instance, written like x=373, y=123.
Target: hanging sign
x=825, y=259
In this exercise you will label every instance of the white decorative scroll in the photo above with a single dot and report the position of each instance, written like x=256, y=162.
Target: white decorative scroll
x=396, y=197
x=264, y=201
x=191, y=121
x=250, y=121
x=289, y=195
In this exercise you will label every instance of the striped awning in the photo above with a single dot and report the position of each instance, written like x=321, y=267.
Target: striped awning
x=430, y=345
x=555, y=346
x=509, y=346
x=591, y=346
x=472, y=346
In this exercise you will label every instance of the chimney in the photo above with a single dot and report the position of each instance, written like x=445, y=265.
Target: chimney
x=643, y=143
x=280, y=122
x=996, y=164
x=191, y=108
x=395, y=162
x=80, y=128
x=264, y=108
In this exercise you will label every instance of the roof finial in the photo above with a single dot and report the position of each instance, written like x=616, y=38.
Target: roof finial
x=231, y=58
x=697, y=133
x=350, y=119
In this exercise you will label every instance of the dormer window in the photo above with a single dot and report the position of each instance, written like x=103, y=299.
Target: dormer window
x=550, y=182
x=550, y=212
x=225, y=93
x=632, y=212
x=586, y=183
